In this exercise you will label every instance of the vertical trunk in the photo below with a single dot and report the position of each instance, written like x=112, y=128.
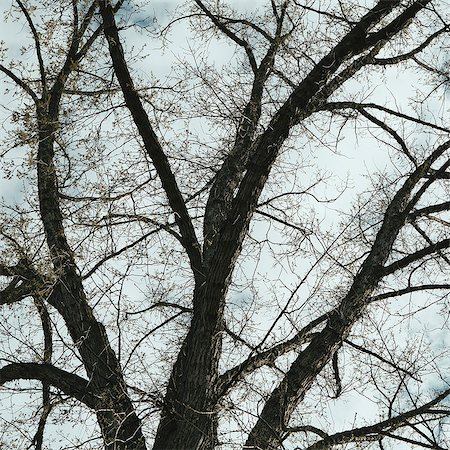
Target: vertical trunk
x=189, y=416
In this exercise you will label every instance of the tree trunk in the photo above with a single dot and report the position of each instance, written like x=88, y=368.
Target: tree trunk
x=189, y=416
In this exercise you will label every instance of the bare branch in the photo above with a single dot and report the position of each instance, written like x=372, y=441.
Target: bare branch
x=445, y=206
x=222, y=27
x=360, y=106
x=337, y=376
x=112, y=255
x=383, y=428
x=310, y=362
x=390, y=131
x=415, y=51
x=69, y=383
x=380, y=358
x=409, y=290
x=37, y=44
x=416, y=256
x=19, y=82
x=266, y=357
x=151, y=142
x=47, y=358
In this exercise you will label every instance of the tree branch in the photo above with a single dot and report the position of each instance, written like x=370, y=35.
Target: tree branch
x=297, y=107
x=380, y=429
x=231, y=172
x=69, y=383
x=151, y=143
x=445, y=206
x=408, y=290
x=37, y=44
x=402, y=263
x=390, y=131
x=359, y=106
x=233, y=36
x=410, y=54
x=265, y=358
x=380, y=358
x=47, y=358
x=19, y=82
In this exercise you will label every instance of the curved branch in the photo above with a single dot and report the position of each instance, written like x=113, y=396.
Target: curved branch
x=402, y=263
x=69, y=383
x=390, y=131
x=231, y=172
x=249, y=24
x=19, y=82
x=380, y=358
x=380, y=429
x=112, y=255
x=265, y=358
x=299, y=105
x=359, y=106
x=410, y=54
x=225, y=30
x=307, y=429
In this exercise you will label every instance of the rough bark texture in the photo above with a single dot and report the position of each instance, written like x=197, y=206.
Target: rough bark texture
x=189, y=417
x=195, y=388
x=119, y=424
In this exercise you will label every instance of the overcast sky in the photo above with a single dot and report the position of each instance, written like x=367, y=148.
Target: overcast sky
x=361, y=154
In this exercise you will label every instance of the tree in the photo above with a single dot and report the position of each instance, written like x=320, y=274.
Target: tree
x=170, y=267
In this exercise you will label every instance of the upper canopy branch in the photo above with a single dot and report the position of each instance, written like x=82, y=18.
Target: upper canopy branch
x=73, y=57
x=407, y=260
x=233, y=36
x=445, y=206
x=410, y=290
x=151, y=142
x=414, y=51
x=37, y=44
x=361, y=106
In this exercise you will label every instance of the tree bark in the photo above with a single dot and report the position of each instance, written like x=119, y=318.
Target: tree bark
x=120, y=426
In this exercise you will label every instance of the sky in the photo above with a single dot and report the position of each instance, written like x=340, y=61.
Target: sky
x=359, y=155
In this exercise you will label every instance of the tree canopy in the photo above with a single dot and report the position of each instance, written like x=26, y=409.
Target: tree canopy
x=225, y=224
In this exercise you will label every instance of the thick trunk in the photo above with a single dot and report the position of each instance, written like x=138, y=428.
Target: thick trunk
x=189, y=416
